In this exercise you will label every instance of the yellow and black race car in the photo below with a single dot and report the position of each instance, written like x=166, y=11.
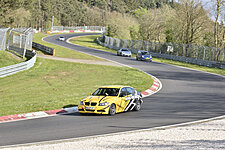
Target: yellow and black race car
x=111, y=100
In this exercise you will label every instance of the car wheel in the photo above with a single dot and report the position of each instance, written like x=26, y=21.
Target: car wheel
x=112, y=110
x=137, y=106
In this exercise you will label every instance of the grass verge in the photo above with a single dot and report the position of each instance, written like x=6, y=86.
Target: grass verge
x=61, y=51
x=52, y=84
x=7, y=59
x=90, y=41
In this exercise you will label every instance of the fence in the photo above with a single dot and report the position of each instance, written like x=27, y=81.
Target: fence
x=195, y=54
x=61, y=28
x=20, y=40
x=3, y=37
x=9, y=70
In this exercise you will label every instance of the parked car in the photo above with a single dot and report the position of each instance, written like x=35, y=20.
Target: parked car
x=124, y=52
x=111, y=100
x=61, y=38
x=144, y=55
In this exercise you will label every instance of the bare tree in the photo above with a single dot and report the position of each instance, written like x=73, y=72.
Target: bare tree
x=219, y=8
x=194, y=18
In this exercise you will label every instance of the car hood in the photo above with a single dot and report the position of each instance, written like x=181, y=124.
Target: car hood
x=146, y=55
x=98, y=98
x=126, y=52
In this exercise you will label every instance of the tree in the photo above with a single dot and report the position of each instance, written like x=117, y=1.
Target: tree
x=193, y=18
x=219, y=7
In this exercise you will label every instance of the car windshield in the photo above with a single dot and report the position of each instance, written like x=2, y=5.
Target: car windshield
x=124, y=50
x=145, y=53
x=106, y=91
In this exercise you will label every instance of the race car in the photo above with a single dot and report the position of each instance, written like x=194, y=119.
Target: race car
x=111, y=100
x=144, y=55
x=124, y=52
x=62, y=38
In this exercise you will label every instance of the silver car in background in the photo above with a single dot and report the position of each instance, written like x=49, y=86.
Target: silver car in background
x=61, y=38
x=124, y=52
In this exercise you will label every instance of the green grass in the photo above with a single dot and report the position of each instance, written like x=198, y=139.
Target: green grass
x=6, y=59
x=61, y=51
x=89, y=41
x=52, y=84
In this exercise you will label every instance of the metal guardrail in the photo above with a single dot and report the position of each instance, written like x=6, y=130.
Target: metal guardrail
x=43, y=48
x=200, y=62
x=9, y=70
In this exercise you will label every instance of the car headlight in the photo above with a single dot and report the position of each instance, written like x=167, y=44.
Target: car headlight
x=103, y=104
x=81, y=103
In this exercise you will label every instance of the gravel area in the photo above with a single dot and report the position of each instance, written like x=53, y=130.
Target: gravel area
x=205, y=136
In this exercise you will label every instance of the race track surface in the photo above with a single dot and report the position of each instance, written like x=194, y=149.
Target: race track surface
x=187, y=95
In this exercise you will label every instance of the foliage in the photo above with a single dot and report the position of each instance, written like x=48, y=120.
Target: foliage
x=182, y=21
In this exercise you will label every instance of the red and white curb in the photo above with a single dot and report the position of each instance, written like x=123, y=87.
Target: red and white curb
x=155, y=88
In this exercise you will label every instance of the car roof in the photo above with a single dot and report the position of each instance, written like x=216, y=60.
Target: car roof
x=114, y=86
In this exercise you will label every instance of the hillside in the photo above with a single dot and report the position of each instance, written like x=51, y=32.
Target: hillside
x=7, y=59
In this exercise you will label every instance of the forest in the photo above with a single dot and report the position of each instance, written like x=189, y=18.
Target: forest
x=177, y=21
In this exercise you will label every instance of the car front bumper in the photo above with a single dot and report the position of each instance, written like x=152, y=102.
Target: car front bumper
x=94, y=109
x=147, y=59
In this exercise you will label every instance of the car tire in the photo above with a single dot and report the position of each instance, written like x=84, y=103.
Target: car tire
x=137, y=107
x=112, y=109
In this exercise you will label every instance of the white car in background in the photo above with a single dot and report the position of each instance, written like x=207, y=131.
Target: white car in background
x=61, y=38
x=124, y=52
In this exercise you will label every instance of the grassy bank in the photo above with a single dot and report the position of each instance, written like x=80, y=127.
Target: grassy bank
x=7, y=59
x=61, y=51
x=54, y=84
x=89, y=41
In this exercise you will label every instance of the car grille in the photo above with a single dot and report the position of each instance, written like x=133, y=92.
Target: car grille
x=87, y=103
x=92, y=104
x=90, y=110
x=100, y=110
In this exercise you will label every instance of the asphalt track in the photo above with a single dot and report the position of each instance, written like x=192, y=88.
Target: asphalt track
x=187, y=95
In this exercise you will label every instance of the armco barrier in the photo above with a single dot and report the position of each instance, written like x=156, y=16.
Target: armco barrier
x=9, y=70
x=200, y=62
x=43, y=48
